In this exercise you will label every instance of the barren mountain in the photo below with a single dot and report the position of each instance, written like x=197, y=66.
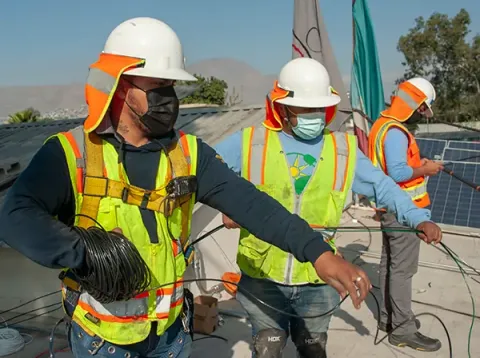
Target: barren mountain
x=250, y=84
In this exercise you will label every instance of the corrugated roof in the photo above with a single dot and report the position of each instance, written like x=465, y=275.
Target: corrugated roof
x=19, y=142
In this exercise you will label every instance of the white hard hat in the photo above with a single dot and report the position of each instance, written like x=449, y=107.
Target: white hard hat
x=427, y=88
x=155, y=42
x=309, y=82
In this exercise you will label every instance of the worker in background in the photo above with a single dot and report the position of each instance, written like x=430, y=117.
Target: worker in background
x=115, y=168
x=310, y=171
x=393, y=149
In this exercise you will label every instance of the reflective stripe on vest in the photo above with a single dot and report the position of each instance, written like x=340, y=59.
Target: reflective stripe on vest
x=129, y=322
x=321, y=203
x=256, y=167
x=415, y=188
x=135, y=309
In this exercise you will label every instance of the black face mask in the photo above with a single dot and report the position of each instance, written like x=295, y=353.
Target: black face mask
x=162, y=113
x=415, y=118
x=412, y=122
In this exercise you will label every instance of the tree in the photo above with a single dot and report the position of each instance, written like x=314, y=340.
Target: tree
x=27, y=115
x=438, y=49
x=210, y=91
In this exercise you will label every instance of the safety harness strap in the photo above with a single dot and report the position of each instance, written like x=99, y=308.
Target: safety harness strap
x=97, y=185
x=182, y=159
x=93, y=188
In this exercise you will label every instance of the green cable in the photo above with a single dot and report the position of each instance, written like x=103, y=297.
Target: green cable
x=452, y=254
x=456, y=259
x=367, y=229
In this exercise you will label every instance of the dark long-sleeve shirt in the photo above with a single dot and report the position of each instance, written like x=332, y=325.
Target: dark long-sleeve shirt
x=44, y=191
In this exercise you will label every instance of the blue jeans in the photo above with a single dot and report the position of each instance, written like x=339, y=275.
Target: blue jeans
x=174, y=343
x=309, y=335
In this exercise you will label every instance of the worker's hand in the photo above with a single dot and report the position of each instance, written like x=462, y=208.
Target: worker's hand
x=344, y=277
x=229, y=223
x=118, y=230
x=430, y=167
x=430, y=232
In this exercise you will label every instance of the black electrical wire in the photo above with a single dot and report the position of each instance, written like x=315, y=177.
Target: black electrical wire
x=447, y=251
x=207, y=234
x=32, y=300
x=114, y=269
x=36, y=316
x=101, y=283
x=27, y=312
x=330, y=311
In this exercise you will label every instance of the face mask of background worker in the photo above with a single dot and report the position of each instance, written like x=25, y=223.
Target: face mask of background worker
x=309, y=125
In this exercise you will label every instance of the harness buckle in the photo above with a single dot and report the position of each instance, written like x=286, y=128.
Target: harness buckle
x=125, y=194
x=185, y=323
x=95, y=186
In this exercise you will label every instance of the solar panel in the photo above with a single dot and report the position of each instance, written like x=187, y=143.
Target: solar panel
x=460, y=155
x=464, y=145
x=452, y=202
x=431, y=148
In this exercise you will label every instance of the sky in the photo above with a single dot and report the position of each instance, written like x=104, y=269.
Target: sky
x=54, y=41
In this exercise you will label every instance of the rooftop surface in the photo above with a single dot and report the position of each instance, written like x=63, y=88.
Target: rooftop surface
x=438, y=288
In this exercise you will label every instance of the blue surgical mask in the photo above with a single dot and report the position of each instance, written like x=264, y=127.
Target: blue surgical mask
x=310, y=125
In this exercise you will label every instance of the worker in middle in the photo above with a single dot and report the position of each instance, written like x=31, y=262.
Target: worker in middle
x=310, y=171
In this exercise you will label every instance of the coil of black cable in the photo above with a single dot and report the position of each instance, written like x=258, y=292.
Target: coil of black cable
x=114, y=269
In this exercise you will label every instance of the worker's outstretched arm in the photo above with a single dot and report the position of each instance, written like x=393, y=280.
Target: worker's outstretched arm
x=373, y=183
x=41, y=192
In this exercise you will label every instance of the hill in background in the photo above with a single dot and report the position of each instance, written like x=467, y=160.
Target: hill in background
x=248, y=83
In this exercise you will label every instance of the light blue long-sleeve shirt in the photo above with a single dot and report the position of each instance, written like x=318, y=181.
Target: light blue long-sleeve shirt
x=368, y=180
x=396, y=146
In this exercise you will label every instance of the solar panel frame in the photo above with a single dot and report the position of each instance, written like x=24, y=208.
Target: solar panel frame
x=452, y=202
x=457, y=144
x=431, y=148
x=460, y=155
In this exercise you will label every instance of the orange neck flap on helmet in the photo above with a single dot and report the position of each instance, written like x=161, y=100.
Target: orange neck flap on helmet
x=406, y=101
x=102, y=83
x=273, y=121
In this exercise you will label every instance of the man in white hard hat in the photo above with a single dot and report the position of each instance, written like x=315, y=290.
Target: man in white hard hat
x=128, y=169
x=392, y=148
x=310, y=171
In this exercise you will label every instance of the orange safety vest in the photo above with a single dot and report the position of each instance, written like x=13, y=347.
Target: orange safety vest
x=406, y=101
